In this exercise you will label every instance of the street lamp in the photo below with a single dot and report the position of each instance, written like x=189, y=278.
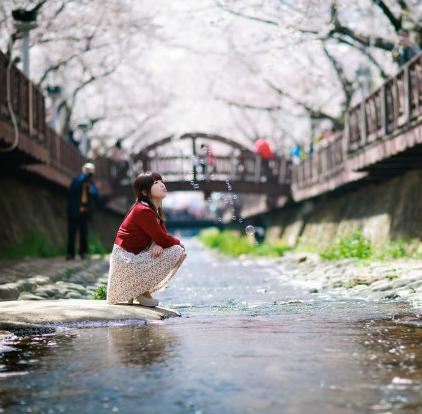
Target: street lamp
x=24, y=21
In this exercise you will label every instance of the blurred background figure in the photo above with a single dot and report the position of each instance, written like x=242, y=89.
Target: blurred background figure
x=119, y=168
x=263, y=149
x=296, y=154
x=207, y=160
x=405, y=50
x=82, y=197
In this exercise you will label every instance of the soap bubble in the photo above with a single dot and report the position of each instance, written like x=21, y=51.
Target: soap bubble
x=250, y=230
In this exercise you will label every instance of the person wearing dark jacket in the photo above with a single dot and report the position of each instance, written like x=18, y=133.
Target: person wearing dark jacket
x=405, y=50
x=82, y=197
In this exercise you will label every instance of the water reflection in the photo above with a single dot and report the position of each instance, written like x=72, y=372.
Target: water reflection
x=394, y=360
x=152, y=344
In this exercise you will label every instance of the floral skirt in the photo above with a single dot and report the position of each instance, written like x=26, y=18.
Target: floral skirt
x=133, y=274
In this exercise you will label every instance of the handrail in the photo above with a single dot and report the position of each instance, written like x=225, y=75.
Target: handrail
x=394, y=105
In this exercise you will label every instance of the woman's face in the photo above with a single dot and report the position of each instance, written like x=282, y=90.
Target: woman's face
x=158, y=190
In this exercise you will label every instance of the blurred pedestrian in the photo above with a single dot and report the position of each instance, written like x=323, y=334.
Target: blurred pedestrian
x=263, y=149
x=207, y=160
x=83, y=194
x=405, y=50
x=120, y=165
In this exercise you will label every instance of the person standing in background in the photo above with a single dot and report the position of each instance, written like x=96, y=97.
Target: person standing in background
x=82, y=195
x=263, y=149
x=405, y=50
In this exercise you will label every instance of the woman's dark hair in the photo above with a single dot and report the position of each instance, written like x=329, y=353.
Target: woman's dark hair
x=142, y=187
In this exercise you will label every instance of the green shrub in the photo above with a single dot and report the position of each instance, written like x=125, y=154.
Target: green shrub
x=95, y=245
x=393, y=249
x=100, y=293
x=34, y=245
x=233, y=244
x=356, y=245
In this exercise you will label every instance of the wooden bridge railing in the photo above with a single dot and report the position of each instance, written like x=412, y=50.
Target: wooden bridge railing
x=324, y=163
x=244, y=167
x=28, y=104
x=394, y=105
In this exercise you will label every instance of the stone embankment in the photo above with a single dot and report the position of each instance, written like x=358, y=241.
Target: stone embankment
x=37, y=279
x=37, y=295
x=399, y=279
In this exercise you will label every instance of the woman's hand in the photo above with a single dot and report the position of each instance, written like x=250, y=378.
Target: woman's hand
x=156, y=251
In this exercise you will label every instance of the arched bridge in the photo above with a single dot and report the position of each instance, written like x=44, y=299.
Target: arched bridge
x=241, y=171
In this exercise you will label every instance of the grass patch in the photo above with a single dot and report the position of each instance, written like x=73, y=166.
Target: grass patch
x=35, y=245
x=100, y=293
x=356, y=245
x=95, y=246
x=233, y=244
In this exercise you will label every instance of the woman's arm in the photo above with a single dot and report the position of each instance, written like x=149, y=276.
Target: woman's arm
x=147, y=220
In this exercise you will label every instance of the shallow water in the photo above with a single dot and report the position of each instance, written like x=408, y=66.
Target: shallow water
x=247, y=343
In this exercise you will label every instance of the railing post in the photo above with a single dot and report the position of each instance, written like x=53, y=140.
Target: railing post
x=363, y=124
x=257, y=168
x=407, y=94
x=384, y=117
x=346, y=135
x=281, y=170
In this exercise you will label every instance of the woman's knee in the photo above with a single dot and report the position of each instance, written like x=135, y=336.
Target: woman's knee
x=178, y=249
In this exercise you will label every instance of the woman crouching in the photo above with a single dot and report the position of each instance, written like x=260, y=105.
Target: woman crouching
x=145, y=257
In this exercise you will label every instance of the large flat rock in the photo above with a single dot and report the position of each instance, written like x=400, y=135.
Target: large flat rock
x=75, y=310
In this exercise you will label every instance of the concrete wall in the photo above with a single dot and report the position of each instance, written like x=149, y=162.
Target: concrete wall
x=28, y=206
x=384, y=210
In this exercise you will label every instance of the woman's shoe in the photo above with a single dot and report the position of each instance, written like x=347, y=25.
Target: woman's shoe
x=145, y=301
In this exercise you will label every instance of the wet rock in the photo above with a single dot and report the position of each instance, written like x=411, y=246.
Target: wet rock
x=75, y=310
x=391, y=296
x=73, y=295
x=40, y=280
x=49, y=291
x=29, y=296
x=70, y=286
x=381, y=285
x=9, y=291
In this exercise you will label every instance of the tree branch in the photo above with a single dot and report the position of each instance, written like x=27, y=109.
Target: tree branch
x=316, y=114
x=346, y=84
x=365, y=52
x=55, y=68
x=338, y=28
x=396, y=22
x=246, y=16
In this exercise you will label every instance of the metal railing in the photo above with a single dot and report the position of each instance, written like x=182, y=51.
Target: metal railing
x=244, y=167
x=393, y=106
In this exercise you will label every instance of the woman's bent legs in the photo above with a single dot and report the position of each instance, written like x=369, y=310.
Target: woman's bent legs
x=133, y=275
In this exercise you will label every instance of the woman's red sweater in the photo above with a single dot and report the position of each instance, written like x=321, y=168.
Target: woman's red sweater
x=140, y=228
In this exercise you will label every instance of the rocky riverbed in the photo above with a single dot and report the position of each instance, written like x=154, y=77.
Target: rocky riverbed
x=399, y=279
x=38, y=279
